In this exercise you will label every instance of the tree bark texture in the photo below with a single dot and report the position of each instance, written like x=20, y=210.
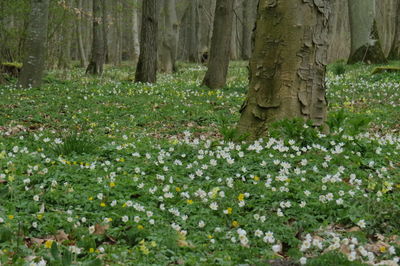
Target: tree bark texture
x=81, y=46
x=287, y=67
x=169, y=37
x=194, y=32
x=249, y=19
x=394, y=53
x=35, y=45
x=146, y=70
x=365, y=42
x=218, y=62
x=135, y=33
x=97, y=58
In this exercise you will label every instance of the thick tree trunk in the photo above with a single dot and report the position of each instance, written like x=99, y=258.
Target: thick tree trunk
x=365, y=42
x=394, y=53
x=35, y=45
x=287, y=68
x=220, y=45
x=97, y=59
x=169, y=38
x=146, y=70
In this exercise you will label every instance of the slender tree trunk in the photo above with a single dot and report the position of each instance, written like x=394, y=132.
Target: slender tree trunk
x=81, y=46
x=64, y=55
x=135, y=32
x=35, y=45
x=233, y=45
x=365, y=42
x=394, y=53
x=169, y=38
x=97, y=59
x=287, y=67
x=146, y=70
x=194, y=32
x=249, y=18
x=218, y=63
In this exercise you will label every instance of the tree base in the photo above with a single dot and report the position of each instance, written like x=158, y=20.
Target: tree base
x=369, y=55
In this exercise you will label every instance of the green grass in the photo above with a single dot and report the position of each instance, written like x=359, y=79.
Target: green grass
x=139, y=174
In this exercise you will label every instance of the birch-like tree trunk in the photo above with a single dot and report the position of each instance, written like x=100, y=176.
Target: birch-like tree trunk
x=35, y=45
x=146, y=70
x=97, y=58
x=365, y=42
x=169, y=37
x=287, y=67
x=135, y=32
x=394, y=53
x=218, y=63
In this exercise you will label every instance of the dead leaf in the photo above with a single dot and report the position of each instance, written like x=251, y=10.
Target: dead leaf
x=100, y=229
x=377, y=247
x=354, y=229
x=61, y=236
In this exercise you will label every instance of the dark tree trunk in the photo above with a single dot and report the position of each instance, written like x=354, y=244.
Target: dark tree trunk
x=146, y=70
x=97, y=58
x=287, y=67
x=394, y=53
x=220, y=45
x=35, y=45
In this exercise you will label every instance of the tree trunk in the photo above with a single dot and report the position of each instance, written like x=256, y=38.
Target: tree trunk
x=169, y=38
x=64, y=55
x=249, y=18
x=233, y=44
x=35, y=45
x=135, y=33
x=287, y=67
x=194, y=32
x=394, y=53
x=97, y=59
x=365, y=42
x=81, y=46
x=146, y=70
x=220, y=45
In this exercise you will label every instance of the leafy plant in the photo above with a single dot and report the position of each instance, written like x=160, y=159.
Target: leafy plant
x=75, y=143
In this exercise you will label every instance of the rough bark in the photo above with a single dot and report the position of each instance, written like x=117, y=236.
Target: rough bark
x=146, y=70
x=287, y=67
x=394, y=53
x=365, y=42
x=169, y=38
x=35, y=45
x=218, y=62
x=97, y=58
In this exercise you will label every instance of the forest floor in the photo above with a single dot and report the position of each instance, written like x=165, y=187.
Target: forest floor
x=103, y=170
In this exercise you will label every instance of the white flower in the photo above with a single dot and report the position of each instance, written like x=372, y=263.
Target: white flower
x=91, y=229
x=36, y=198
x=361, y=224
x=125, y=218
x=202, y=224
x=303, y=260
x=258, y=233
x=214, y=206
x=277, y=248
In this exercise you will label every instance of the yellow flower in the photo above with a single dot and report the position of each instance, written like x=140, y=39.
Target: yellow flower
x=235, y=224
x=189, y=201
x=11, y=178
x=10, y=217
x=256, y=178
x=40, y=216
x=382, y=249
x=178, y=189
x=140, y=227
x=112, y=184
x=102, y=204
x=48, y=243
x=229, y=210
x=153, y=244
x=91, y=250
x=210, y=236
x=90, y=198
x=241, y=197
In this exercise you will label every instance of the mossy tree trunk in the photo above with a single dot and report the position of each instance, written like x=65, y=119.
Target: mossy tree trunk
x=365, y=43
x=97, y=58
x=218, y=62
x=394, y=53
x=287, y=67
x=146, y=70
x=35, y=45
